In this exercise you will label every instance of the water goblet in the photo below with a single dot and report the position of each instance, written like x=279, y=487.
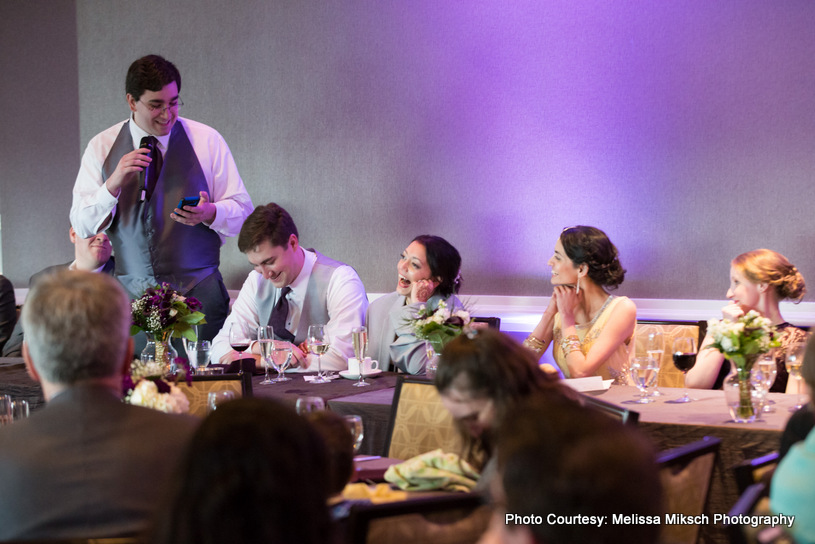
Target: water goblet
x=216, y=398
x=360, y=338
x=795, y=358
x=198, y=354
x=317, y=341
x=655, y=347
x=266, y=343
x=684, y=357
x=306, y=405
x=281, y=357
x=355, y=424
x=643, y=372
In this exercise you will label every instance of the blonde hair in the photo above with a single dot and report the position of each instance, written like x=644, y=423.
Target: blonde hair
x=770, y=267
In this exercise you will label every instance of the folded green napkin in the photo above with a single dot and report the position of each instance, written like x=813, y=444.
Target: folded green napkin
x=433, y=470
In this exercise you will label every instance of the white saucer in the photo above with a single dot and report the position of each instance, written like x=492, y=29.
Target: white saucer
x=349, y=376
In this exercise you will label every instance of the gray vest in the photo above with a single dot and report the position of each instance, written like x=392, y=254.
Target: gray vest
x=150, y=247
x=315, y=305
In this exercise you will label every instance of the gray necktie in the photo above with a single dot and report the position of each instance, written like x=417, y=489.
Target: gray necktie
x=280, y=313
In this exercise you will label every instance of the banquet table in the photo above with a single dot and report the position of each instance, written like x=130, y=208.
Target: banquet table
x=671, y=425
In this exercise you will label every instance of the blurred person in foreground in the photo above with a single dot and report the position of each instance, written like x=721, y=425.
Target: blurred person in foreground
x=92, y=254
x=481, y=375
x=559, y=461
x=792, y=488
x=254, y=472
x=428, y=272
x=87, y=465
x=590, y=329
x=8, y=310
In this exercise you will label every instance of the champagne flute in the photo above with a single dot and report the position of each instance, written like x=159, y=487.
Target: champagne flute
x=360, y=337
x=795, y=358
x=238, y=337
x=266, y=343
x=644, y=372
x=281, y=357
x=355, y=424
x=318, y=342
x=684, y=357
x=655, y=347
x=763, y=376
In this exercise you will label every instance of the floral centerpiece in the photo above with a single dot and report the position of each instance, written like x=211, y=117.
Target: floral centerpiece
x=161, y=312
x=742, y=342
x=144, y=386
x=441, y=325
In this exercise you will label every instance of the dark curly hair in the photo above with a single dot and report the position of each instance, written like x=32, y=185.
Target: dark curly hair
x=444, y=262
x=591, y=246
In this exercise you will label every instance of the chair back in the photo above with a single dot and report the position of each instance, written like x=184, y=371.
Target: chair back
x=752, y=471
x=198, y=391
x=686, y=473
x=623, y=415
x=669, y=375
x=746, y=505
x=419, y=422
x=449, y=518
x=490, y=322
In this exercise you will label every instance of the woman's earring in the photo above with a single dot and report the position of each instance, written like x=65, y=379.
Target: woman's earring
x=577, y=289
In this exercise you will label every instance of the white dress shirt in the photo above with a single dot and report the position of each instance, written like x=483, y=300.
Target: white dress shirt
x=346, y=301
x=93, y=203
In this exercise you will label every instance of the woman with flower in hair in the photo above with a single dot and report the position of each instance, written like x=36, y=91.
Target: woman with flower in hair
x=428, y=272
x=759, y=280
x=591, y=329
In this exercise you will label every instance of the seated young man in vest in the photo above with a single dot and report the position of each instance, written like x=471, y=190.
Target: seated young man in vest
x=290, y=289
x=91, y=254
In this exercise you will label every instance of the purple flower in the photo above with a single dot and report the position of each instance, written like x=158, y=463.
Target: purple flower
x=162, y=386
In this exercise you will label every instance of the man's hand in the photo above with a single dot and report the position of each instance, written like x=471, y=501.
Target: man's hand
x=204, y=212
x=135, y=161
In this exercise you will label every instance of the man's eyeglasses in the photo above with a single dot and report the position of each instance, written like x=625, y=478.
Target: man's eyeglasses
x=160, y=108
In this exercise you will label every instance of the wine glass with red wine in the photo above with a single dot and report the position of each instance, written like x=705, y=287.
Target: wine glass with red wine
x=239, y=337
x=684, y=356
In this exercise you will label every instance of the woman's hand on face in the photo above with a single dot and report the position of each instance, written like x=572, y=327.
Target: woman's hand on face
x=422, y=290
x=732, y=312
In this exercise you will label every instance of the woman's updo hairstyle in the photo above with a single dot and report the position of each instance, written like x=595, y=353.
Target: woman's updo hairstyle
x=770, y=267
x=444, y=262
x=591, y=246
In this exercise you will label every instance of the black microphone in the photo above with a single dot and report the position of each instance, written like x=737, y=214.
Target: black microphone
x=147, y=142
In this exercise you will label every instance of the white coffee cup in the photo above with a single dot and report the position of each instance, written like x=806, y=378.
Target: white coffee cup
x=368, y=366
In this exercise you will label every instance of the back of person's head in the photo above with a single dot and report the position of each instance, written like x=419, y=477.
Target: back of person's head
x=487, y=364
x=770, y=267
x=808, y=368
x=77, y=326
x=558, y=460
x=266, y=223
x=254, y=471
x=150, y=73
x=444, y=262
x=591, y=246
x=339, y=444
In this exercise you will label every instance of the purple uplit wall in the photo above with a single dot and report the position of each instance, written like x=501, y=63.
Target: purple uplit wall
x=684, y=129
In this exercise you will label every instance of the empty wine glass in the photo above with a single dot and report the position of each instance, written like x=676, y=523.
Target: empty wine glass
x=266, y=343
x=318, y=342
x=795, y=358
x=281, y=357
x=198, y=354
x=684, y=357
x=360, y=337
x=644, y=372
x=655, y=347
x=305, y=405
x=355, y=424
x=763, y=376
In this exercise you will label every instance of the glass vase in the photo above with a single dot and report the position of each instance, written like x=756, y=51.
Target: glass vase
x=161, y=350
x=743, y=399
